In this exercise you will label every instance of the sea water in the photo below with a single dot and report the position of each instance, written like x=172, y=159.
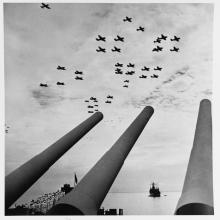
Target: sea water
x=142, y=204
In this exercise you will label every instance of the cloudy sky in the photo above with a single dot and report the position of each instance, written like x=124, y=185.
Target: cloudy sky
x=38, y=40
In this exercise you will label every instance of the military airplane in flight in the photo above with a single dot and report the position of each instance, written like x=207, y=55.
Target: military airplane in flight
x=86, y=100
x=163, y=37
x=131, y=65
x=119, y=38
x=118, y=65
x=78, y=72
x=43, y=85
x=100, y=38
x=92, y=98
x=95, y=100
x=118, y=71
x=176, y=49
x=126, y=81
x=78, y=78
x=140, y=29
x=158, y=40
x=100, y=49
x=110, y=97
x=157, y=49
x=61, y=68
x=108, y=101
x=126, y=86
x=43, y=5
x=90, y=112
x=116, y=49
x=96, y=110
x=96, y=105
x=175, y=38
x=60, y=83
x=143, y=76
x=127, y=19
x=158, y=68
x=154, y=76
x=130, y=72
x=90, y=106
x=145, y=68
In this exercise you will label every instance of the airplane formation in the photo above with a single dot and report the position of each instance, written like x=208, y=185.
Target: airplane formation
x=78, y=73
x=92, y=101
x=163, y=37
x=6, y=128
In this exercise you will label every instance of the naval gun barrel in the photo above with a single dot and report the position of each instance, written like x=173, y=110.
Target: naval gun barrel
x=197, y=192
x=88, y=195
x=21, y=179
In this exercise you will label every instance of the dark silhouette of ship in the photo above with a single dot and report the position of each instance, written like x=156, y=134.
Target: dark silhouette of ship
x=154, y=190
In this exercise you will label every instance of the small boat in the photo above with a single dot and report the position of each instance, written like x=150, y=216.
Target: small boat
x=154, y=190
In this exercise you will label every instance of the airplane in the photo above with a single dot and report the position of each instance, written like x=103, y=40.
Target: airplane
x=145, y=68
x=175, y=49
x=126, y=81
x=163, y=37
x=118, y=65
x=78, y=78
x=110, y=97
x=116, y=49
x=158, y=40
x=100, y=38
x=127, y=19
x=140, y=29
x=100, y=49
x=175, y=38
x=92, y=98
x=130, y=65
x=86, y=100
x=126, y=86
x=6, y=130
x=43, y=5
x=96, y=110
x=90, y=112
x=43, y=85
x=130, y=73
x=61, y=68
x=95, y=101
x=78, y=72
x=96, y=105
x=90, y=106
x=158, y=68
x=119, y=38
x=154, y=76
x=143, y=76
x=157, y=49
x=60, y=83
x=118, y=72
x=108, y=101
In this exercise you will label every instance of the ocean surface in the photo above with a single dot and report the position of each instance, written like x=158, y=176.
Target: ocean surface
x=142, y=204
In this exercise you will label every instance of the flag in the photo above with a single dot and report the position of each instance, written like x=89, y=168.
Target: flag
x=75, y=180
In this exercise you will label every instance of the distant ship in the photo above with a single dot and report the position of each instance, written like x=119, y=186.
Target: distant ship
x=154, y=190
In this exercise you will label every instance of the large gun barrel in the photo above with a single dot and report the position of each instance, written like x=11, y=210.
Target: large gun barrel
x=197, y=192
x=87, y=197
x=21, y=179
